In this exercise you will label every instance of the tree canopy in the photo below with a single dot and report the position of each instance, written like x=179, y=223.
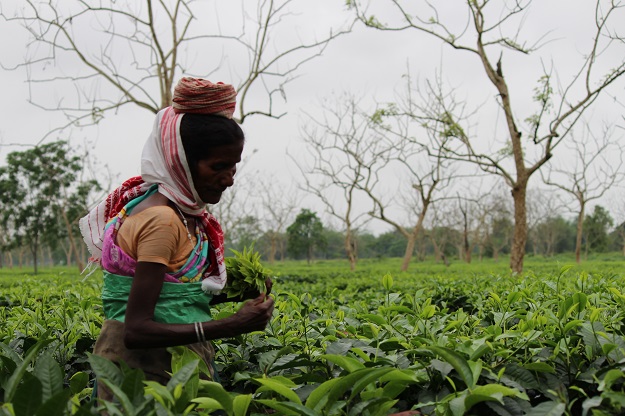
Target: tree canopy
x=40, y=196
x=305, y=234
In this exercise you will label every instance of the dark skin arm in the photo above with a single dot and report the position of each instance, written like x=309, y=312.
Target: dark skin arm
x=143, y=332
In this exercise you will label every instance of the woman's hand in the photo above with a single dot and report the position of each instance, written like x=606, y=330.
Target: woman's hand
x=255, y=293
x=254, y=314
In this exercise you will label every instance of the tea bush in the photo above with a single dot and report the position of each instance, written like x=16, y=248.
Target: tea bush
x=465, y=339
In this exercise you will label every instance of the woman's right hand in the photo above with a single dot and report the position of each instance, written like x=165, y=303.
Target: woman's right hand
x=254, y=314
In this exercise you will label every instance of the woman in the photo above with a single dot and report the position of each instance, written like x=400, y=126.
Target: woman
x=160, y=250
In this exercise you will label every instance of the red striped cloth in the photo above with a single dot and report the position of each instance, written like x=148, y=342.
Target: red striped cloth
x=200, y=96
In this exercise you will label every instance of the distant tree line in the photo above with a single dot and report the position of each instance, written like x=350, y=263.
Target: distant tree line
x=44, y=191
x=308, y=239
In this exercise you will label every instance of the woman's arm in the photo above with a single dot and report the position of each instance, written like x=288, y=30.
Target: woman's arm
x=143, y=332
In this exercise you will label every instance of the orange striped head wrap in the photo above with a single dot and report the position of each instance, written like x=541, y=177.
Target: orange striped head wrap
x=200, y=96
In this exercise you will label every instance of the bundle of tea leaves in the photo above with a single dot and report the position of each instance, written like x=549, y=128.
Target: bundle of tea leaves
x=245, y=273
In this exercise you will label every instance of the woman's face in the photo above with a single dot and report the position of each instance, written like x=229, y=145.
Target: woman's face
x=214, y=174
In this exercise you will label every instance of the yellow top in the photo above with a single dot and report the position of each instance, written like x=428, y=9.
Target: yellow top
x=164, y=239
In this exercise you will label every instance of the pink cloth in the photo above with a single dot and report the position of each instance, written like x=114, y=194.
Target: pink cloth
x=116, y=261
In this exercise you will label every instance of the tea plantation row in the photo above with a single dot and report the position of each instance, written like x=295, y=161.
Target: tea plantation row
x=468, y=339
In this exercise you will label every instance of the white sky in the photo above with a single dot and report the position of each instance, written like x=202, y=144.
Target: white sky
x=367, y=62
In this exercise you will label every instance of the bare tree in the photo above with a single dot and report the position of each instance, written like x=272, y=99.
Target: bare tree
x=279, y=203
x=427, y=173
x=543, y=207
x=473, y=224
x=420, y=142
x=499, y=231
x=101, y=56
x=597, y=166
x=347, y=159
x=443, y=229
x=494, y=29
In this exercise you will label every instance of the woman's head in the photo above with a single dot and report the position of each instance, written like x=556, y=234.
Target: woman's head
x=213, y=146
x=195, y=145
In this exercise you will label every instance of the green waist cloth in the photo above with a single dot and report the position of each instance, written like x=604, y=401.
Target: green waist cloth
x=178, y=303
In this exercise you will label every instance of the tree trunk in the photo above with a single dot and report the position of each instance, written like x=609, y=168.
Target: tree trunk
x=49, y=253
x=409, y=250
x=68, y=255
x=465, y=238
x=72, y=243
x=519, y=237
x=34, y=248
x=578, y=237
x=438, y=253
x=273, y=247
x=412, y=237
x=350, y=249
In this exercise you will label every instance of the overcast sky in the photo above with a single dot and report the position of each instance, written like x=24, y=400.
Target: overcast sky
x=366, y=62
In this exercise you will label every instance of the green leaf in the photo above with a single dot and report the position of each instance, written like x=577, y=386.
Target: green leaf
x=10, y=353
x=319, y=396
x=456, y=405
x=183, y=375
x=522, y=376
x=491, y=392
x=573, y=324
x=105, y=369
x=481, y=350
x=376, y=319
x=548, y=409
x=513, y=297
x=476, y=370
x=27, y=398
x=217, y=392
x=404, y=376
x=180, y=356
x=590, y=403
x=609, y=378
x=400, y=308
x=207, y=403
x=540, y=367
x=78, y=382
x=581, y=299
x=288, y=408
x=129, y=408
x=240, y=404
x=50, y=375
x=13, y=381
x=279, y=388
x=615, y=397
x=347, y=363
x=363, y=378
x=326, y=395
x=55, y=405
x=133, y=386
x=457, y=362
x=387, y=281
